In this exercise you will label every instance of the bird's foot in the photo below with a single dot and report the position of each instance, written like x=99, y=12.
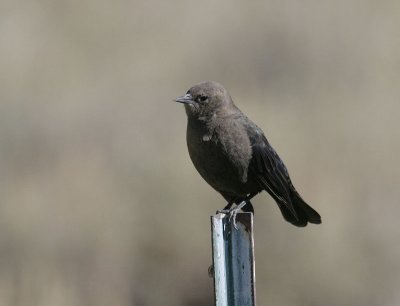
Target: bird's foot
x=223, y=211
x=232, y=212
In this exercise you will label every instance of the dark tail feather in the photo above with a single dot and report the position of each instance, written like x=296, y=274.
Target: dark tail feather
x=304, y=212
x=309, y=212
x=289, y=217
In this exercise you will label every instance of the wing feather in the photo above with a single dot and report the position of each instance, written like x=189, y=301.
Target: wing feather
x=270, y=171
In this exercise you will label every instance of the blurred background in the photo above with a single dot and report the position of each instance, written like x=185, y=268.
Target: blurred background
x=99, y=201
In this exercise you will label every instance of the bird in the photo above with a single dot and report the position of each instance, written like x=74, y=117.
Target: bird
x=234, y=157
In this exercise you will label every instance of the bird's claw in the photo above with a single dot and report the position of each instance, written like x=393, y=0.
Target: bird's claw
x=223, y=211
x=232, y=213
x=232, y=217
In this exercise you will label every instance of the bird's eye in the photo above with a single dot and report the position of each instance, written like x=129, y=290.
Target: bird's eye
x=202, y=98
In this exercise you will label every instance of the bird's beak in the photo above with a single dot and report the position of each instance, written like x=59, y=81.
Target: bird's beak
x=186, y=99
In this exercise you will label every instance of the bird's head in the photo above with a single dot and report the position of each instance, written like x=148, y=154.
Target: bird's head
x=205, y=99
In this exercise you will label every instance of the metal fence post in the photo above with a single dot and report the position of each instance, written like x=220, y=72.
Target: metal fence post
x=233, y=260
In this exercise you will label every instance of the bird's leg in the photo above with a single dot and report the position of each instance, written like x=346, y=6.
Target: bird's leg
x=227, y=208
x=232, y=212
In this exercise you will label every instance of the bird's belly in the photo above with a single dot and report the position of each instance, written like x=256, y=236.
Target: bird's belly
x=217, y=169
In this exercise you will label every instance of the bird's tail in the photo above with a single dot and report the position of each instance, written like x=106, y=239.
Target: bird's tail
x=304, y=212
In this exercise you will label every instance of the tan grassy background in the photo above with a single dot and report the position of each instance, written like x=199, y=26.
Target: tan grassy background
x=99, y=202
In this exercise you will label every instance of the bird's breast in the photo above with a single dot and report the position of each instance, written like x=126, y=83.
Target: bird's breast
x=220, y=154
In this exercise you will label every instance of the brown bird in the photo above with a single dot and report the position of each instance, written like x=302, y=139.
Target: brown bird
x=233, y=155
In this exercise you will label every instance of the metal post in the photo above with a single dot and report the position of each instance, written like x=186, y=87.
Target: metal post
x=233, y=260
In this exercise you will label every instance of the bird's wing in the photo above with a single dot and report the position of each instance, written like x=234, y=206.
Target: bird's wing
x=269, y=170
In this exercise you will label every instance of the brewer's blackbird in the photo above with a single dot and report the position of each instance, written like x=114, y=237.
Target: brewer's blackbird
x=233, y=155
